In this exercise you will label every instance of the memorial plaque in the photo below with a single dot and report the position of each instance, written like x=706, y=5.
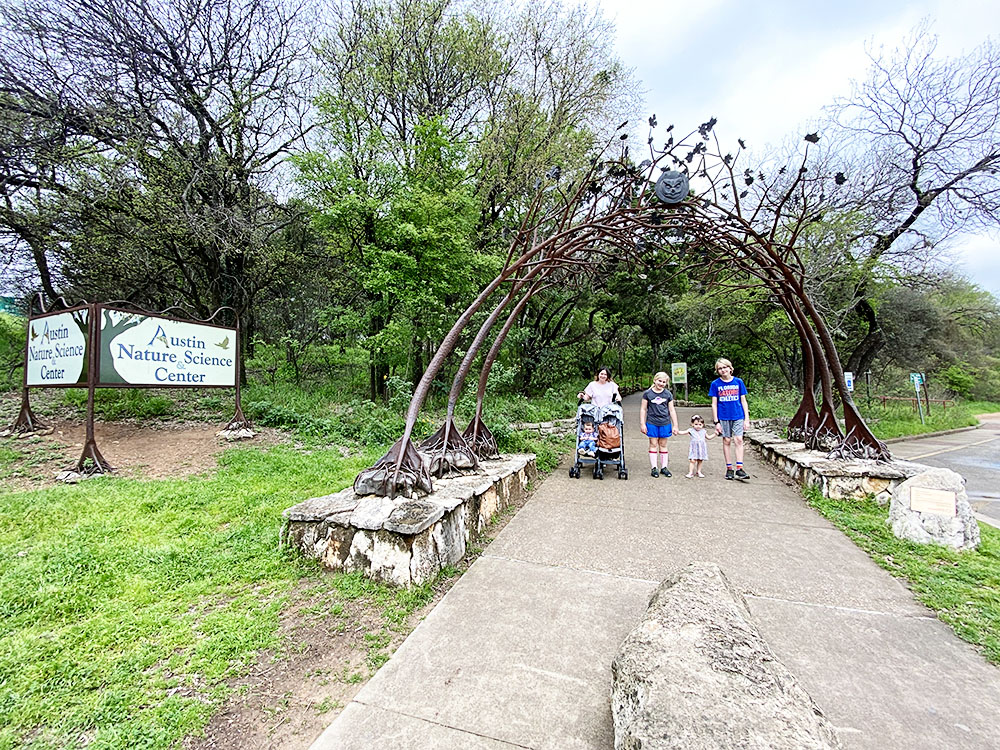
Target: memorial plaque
x=938, y=502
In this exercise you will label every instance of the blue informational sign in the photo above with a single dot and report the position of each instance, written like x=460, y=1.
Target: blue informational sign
x=849, y=377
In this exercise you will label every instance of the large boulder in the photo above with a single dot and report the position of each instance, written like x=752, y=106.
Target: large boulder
x=696, y=674
x=933, y=508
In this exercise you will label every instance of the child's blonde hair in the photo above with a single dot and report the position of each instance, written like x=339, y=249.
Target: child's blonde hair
x=663, y=375
x=723, y=361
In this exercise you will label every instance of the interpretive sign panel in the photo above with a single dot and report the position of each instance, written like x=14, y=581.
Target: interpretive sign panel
x=679, y=372
x=849, y=379
x=938, y=502
x=146, y=350
x=57, y=349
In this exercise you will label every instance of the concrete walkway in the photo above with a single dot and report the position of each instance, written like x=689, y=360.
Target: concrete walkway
x=518, y=653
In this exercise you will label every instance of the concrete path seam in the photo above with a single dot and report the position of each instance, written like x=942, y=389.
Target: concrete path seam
x=441, y=724
x=853, y=610
x=550, y=566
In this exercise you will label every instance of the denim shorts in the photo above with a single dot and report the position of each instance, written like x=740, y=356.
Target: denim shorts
x=731, y=427
x=659, y=431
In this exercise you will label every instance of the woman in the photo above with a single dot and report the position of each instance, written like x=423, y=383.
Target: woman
x=602, y=390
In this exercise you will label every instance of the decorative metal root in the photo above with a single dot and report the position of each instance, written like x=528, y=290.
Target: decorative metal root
x=92, y=462
x=853, y=448
x=414, y=475
x=481, y=440
x=448, y=454
x=26, y=421
x=239, y=427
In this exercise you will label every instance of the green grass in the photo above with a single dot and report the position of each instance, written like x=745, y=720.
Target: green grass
x=963, y=588
x=125, y=605
x=898, y=420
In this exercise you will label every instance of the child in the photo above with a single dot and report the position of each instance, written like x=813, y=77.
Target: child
x=588, y=439
x=731, y=415
x=699, y=447
x=657, y=415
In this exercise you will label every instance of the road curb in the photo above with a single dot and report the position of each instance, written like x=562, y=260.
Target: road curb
x=904, y=438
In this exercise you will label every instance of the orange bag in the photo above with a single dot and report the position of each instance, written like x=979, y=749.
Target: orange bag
x=608, y=437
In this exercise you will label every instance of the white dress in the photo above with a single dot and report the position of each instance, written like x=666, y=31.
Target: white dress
x=699, y=445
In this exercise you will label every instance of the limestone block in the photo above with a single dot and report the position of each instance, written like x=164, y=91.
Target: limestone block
x=440, y=545
x=959, y=531
x=874, y=485
x=338, y=547
x=413, y=516
x=390, y=558
x=359, y=555
x=371, y=512
x=487, y=506
x=321, y=508
x=695, y=674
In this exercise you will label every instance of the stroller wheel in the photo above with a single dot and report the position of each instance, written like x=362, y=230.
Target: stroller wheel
x=623, y=474
x=574, y=472
x=598, y=471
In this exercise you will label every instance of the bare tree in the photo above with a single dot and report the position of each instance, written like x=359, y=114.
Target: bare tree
x=925, y=132
x=158, y=129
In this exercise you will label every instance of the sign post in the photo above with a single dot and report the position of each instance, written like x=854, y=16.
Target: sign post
x=679, y=374
x=916, y=378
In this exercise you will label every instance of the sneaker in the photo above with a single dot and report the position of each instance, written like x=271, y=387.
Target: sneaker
x=740, y=474
x=653, y=472
x=665, y=473
x=729, y=474
x=688, y=476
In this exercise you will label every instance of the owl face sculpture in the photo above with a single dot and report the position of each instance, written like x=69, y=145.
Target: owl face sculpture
x=672, y=187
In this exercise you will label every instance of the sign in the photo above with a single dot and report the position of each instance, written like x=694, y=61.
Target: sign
x=57, y=349
x=679, y=372
x=146, y=350
x=938, y=502
x=917, y=379
x=849, y=377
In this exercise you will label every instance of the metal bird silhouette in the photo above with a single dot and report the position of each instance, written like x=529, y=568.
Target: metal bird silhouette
x=813, y=137
x=224, y=344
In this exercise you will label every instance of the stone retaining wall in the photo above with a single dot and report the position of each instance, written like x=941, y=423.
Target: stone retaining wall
x=555, y=427
x=835, y=478
x=406, y=541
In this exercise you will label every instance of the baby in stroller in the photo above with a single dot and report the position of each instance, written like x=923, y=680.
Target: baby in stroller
x=587, y=440
x=598, y=439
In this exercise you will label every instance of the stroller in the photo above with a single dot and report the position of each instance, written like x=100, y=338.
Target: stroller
x=607, y=420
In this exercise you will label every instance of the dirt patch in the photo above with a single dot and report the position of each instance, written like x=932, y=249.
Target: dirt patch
x=158, y=451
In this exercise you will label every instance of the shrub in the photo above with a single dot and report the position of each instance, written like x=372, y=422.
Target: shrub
x=958, y=381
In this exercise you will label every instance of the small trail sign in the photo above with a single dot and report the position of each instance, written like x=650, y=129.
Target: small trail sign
x=679, y=372
x=849, y=377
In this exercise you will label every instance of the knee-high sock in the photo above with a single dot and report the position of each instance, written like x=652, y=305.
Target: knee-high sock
x=664, y=457
x=652, y=458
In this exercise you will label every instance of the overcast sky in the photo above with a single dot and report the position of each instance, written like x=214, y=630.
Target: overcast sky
x=766, y=68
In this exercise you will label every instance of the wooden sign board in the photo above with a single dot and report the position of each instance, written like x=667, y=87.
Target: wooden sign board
x=938, y=502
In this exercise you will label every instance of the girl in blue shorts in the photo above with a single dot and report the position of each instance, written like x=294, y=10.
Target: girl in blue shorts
x=657, y=415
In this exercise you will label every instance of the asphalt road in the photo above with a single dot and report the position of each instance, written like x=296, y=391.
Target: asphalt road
x=974, y=454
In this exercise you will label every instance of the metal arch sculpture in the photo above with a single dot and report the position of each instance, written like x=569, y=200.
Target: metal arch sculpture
x=615, y=209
